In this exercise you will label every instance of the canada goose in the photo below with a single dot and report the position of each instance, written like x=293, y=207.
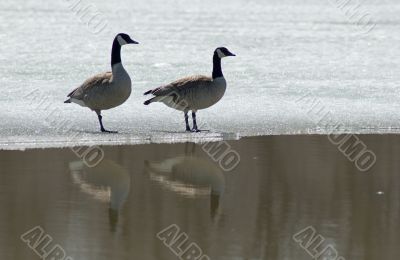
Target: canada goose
x=106, y=90
x=194, y=92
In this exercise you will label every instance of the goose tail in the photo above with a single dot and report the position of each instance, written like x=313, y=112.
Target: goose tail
x=154, y=99
x=147, y=102
x=147, y=92
x=67, y=101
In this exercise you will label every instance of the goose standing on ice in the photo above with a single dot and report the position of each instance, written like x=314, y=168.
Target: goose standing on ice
x=194, y=92
x=106, y=90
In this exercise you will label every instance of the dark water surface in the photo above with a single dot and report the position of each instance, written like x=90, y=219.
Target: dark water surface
x=282, y=185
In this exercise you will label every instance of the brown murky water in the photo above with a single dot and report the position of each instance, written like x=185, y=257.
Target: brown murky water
x=282, y=185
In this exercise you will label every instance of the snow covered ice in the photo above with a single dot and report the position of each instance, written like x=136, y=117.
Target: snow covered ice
x=285, y=51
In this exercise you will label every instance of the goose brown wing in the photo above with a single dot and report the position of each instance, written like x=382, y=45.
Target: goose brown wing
x=182, y=85
x=99, y=80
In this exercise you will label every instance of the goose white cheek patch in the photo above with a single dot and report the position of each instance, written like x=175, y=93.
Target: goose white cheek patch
x=220, y=54
x=121, y=40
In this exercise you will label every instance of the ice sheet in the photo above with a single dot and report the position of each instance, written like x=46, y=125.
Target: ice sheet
x=292, y=57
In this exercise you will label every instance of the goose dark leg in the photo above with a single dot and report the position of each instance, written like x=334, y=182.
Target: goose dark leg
x=195, y=129
x=98, y=112
x=187, y=121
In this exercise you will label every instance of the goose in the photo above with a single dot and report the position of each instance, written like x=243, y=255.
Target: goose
x=194, y=92
x=106, y=90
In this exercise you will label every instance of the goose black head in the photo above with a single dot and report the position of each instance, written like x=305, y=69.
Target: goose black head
x=123, y=39
x=223, y=52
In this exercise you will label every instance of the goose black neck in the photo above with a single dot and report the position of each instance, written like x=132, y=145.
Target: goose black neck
x=217, y=71
x=115, y=53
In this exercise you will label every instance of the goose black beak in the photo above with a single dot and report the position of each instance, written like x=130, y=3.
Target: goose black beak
x=133, y=42
x=228, y=53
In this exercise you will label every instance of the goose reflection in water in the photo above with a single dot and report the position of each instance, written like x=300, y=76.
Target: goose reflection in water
x=107, y=181
x=190, y=176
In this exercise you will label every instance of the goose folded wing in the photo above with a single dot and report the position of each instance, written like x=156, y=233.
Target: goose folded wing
x=98, y=81
x=182, y=86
